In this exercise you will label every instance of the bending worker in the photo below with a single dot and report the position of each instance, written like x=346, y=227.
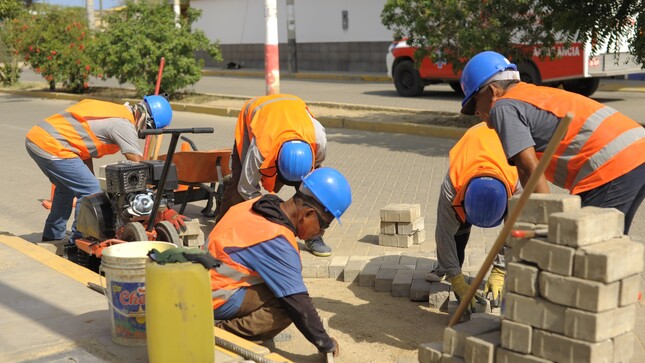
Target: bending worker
x=602, y=156
x=475, y=191
x=259, y=289
x=63, y=146
x=277, y=142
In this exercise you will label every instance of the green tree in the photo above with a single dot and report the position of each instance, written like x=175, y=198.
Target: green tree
x=9, y=58
x=138, y=36
x=53, y=41
x=455, y=30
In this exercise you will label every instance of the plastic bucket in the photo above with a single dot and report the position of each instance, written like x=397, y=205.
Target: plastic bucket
x=124, y=266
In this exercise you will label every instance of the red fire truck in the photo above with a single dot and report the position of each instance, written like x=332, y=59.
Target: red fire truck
x=573, y=68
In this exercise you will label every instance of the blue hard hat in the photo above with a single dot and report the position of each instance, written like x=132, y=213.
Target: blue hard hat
x=485, y=202
x=295, y=160
x=476, y=72
x=159, y=110
x=330, y=188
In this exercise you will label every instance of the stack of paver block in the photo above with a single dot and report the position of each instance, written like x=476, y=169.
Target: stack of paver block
x=570, y=296
x=401, y=225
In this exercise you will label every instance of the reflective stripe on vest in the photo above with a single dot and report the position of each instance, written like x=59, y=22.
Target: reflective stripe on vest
x=233, y=232
x=601, y=144
x=90, y=147
x=272, y=121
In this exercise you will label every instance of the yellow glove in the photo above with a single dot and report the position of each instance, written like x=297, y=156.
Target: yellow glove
x=494, y=285
x=460, y=287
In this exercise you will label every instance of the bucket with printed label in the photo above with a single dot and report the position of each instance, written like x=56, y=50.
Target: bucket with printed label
x=124, y=267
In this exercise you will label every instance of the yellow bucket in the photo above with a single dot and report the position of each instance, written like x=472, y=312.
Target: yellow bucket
x=124, y=268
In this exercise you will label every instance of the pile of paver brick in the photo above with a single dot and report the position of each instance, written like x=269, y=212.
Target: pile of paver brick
x=570, y=296
x=401, y=225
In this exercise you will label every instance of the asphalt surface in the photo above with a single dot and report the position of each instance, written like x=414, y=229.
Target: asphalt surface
x=382, y=165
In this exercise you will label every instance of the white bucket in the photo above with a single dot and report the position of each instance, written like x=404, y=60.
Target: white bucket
x=124, y=266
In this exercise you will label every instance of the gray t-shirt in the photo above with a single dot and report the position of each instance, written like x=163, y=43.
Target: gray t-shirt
x=112, y=130
x=521, y=125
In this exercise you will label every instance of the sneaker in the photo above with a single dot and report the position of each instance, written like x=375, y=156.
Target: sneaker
x=318, y=247
x=435, y=276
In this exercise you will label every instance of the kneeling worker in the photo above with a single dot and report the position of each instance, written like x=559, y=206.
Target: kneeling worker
x=475, y=191
x=259, y=289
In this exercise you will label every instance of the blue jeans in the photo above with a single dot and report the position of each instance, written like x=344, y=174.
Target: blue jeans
x=72, y=178
x=624, y=193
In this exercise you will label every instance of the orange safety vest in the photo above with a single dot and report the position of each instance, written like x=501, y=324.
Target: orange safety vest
x=478, y=153
x=68, y=135
x=600, y=145
x=273, y=120
x=240, y=228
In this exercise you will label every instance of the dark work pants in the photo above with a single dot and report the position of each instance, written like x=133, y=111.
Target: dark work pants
x=624, y=193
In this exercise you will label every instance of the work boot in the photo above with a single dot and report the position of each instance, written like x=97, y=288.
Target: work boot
x=318, y=247
x=435, y=276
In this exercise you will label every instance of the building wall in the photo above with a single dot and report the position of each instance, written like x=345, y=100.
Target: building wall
x=321, y=42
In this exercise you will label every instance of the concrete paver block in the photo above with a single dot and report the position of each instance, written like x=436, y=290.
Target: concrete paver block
x=454, y=337
x=408, y=260
x=535, y=312
x=400, y=212
x=419, y=237
x=629, y=289
x=391, y=259
x=539, y=207
x=579, y=293
x=424, y=263
x=549, y=257
x=352, y=269
x=388, y=227
x=383, y=280
x=507, y=356
x=516, y=336
x=623, y=347
x=609, y=261
x=559, y=348
x=401, y=283
x=367, y=276
x=586, y=226
x=419, y=289
x=337, y=265
x=481, y=348
x=430, y=352
x=439, y=292
x=193, y=236
x=451, y=359
x=410, y=227
x=521, y=278
x=596, y=327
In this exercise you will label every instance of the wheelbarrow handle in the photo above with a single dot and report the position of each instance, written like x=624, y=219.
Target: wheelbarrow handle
x=188, y=130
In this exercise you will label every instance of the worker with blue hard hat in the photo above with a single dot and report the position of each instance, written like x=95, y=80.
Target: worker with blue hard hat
x=474, y=192
x=601, y=158
x=64, y=145
x=277, y=142
x=259, y=290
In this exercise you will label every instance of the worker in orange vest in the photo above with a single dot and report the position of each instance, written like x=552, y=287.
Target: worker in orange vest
x=64, y=145
x=601, y=157
x=258, y=291
x=277, y=141
x=475, y=191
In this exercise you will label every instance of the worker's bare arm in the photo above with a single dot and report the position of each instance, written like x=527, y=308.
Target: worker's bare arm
x=526, y=162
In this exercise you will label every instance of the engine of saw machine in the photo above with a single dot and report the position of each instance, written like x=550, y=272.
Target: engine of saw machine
x=129, y=190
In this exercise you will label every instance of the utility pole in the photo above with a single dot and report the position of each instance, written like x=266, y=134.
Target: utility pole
x=291, y=37
x=89, y=7
x=271, y=54
x=177, y=9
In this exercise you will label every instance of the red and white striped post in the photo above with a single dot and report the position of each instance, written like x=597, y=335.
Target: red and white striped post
x=271, y=55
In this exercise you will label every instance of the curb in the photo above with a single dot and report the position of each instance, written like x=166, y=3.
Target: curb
x=341, y=122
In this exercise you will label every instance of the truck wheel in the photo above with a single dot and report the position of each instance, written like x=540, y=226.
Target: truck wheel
x=528, y=73
x=134, y=231
x=456, y=86
x=407, y=80
x=583, y=86
x=166, y=232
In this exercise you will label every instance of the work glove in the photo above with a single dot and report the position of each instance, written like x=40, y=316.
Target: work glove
x=460, y=288
x=494, y=285
x=173, y=217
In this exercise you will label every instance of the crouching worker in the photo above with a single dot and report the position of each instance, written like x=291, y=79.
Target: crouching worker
x=259, y=289
x=475, y=191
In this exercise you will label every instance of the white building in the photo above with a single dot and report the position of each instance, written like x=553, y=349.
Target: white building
x=328, y=35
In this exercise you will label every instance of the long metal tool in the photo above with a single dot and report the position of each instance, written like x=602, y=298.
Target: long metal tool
x=559, y=133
